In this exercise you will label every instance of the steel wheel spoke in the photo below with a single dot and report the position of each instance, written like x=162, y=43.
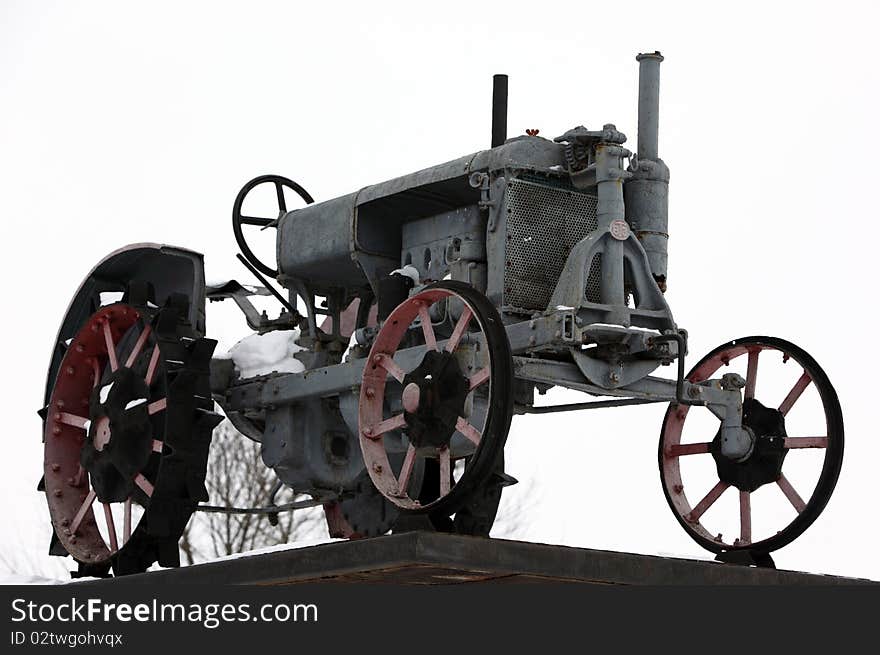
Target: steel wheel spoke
x=745, y=517
x=126, y=521
x=393, y=423
x=81, y=512
x=707, y=502
x=157, y=406
x=73, y=419
x=111, y=347
x=151, y=369
x=406, y=470
x=793, y=496
x=468, y=430
x=96, y=372
x=111, y=527
x=386, y=362
x=427, y=328
x=679, y=450
x=795, y=393
x=480, y=377
x=445, y=470
x=806, y=442
x=145, y=485
x=460, y=327
x=751, y=373
x=138, y=346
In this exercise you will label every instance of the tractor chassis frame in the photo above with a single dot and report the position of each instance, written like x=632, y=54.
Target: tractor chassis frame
x=536, y=344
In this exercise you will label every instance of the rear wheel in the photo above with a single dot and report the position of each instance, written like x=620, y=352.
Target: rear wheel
x=450, y=411
x=127, y=433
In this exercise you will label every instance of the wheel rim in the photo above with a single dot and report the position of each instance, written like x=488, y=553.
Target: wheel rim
x=460, y=419
x=799, y=415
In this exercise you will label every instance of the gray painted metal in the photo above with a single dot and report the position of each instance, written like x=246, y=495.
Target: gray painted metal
x=566, y=237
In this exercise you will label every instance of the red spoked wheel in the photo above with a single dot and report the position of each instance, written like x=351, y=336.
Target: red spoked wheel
x=127, y=430
x=793, y=417
x=452, y=408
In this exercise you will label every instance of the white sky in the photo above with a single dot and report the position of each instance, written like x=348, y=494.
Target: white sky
x=126, y=122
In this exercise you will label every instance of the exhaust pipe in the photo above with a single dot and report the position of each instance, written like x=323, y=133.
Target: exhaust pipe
x=649, y=103
x=499, y=110
x=646, y=193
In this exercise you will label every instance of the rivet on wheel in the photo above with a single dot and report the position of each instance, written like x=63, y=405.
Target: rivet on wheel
x=73, y=540
x=60, y=404
x=65, y=523
x=678, y=488
x=69, y=370
x=368, y=431
x=56, y=467
x=57, y=493
x=377, y=359
x=370, y=392
x=80, y=348
x=56, y=430
x=377, y=468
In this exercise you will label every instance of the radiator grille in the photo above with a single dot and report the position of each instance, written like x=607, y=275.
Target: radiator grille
x=543, y=225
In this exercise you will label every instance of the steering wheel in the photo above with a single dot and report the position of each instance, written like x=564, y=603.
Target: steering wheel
x=238, y=219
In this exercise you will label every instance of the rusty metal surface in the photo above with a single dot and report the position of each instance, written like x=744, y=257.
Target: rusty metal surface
x=435, y=558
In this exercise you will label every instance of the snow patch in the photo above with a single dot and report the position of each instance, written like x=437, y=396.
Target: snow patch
x=105, y=391
x=110, y=297
x=273, y=352
x=409, y=271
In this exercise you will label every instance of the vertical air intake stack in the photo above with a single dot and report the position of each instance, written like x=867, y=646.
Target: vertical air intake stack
x=646, y=194
x=499, y=110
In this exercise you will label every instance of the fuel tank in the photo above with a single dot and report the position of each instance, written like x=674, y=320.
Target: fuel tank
x=352, y=240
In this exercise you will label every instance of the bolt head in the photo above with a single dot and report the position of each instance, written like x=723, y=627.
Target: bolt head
x=56, y=467
x=370, y=392
x=57, y=493
x=56, y=430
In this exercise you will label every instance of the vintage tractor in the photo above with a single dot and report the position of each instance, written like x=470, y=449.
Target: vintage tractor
x=435, y=305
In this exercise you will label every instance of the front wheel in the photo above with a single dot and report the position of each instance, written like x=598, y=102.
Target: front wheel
x=793, y=417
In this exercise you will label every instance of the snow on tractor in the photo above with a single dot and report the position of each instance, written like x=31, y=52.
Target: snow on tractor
x=436, y=304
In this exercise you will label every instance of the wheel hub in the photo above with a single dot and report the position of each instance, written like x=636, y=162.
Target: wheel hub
x=763, y=464
x=120, y=437
x=433, y=398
